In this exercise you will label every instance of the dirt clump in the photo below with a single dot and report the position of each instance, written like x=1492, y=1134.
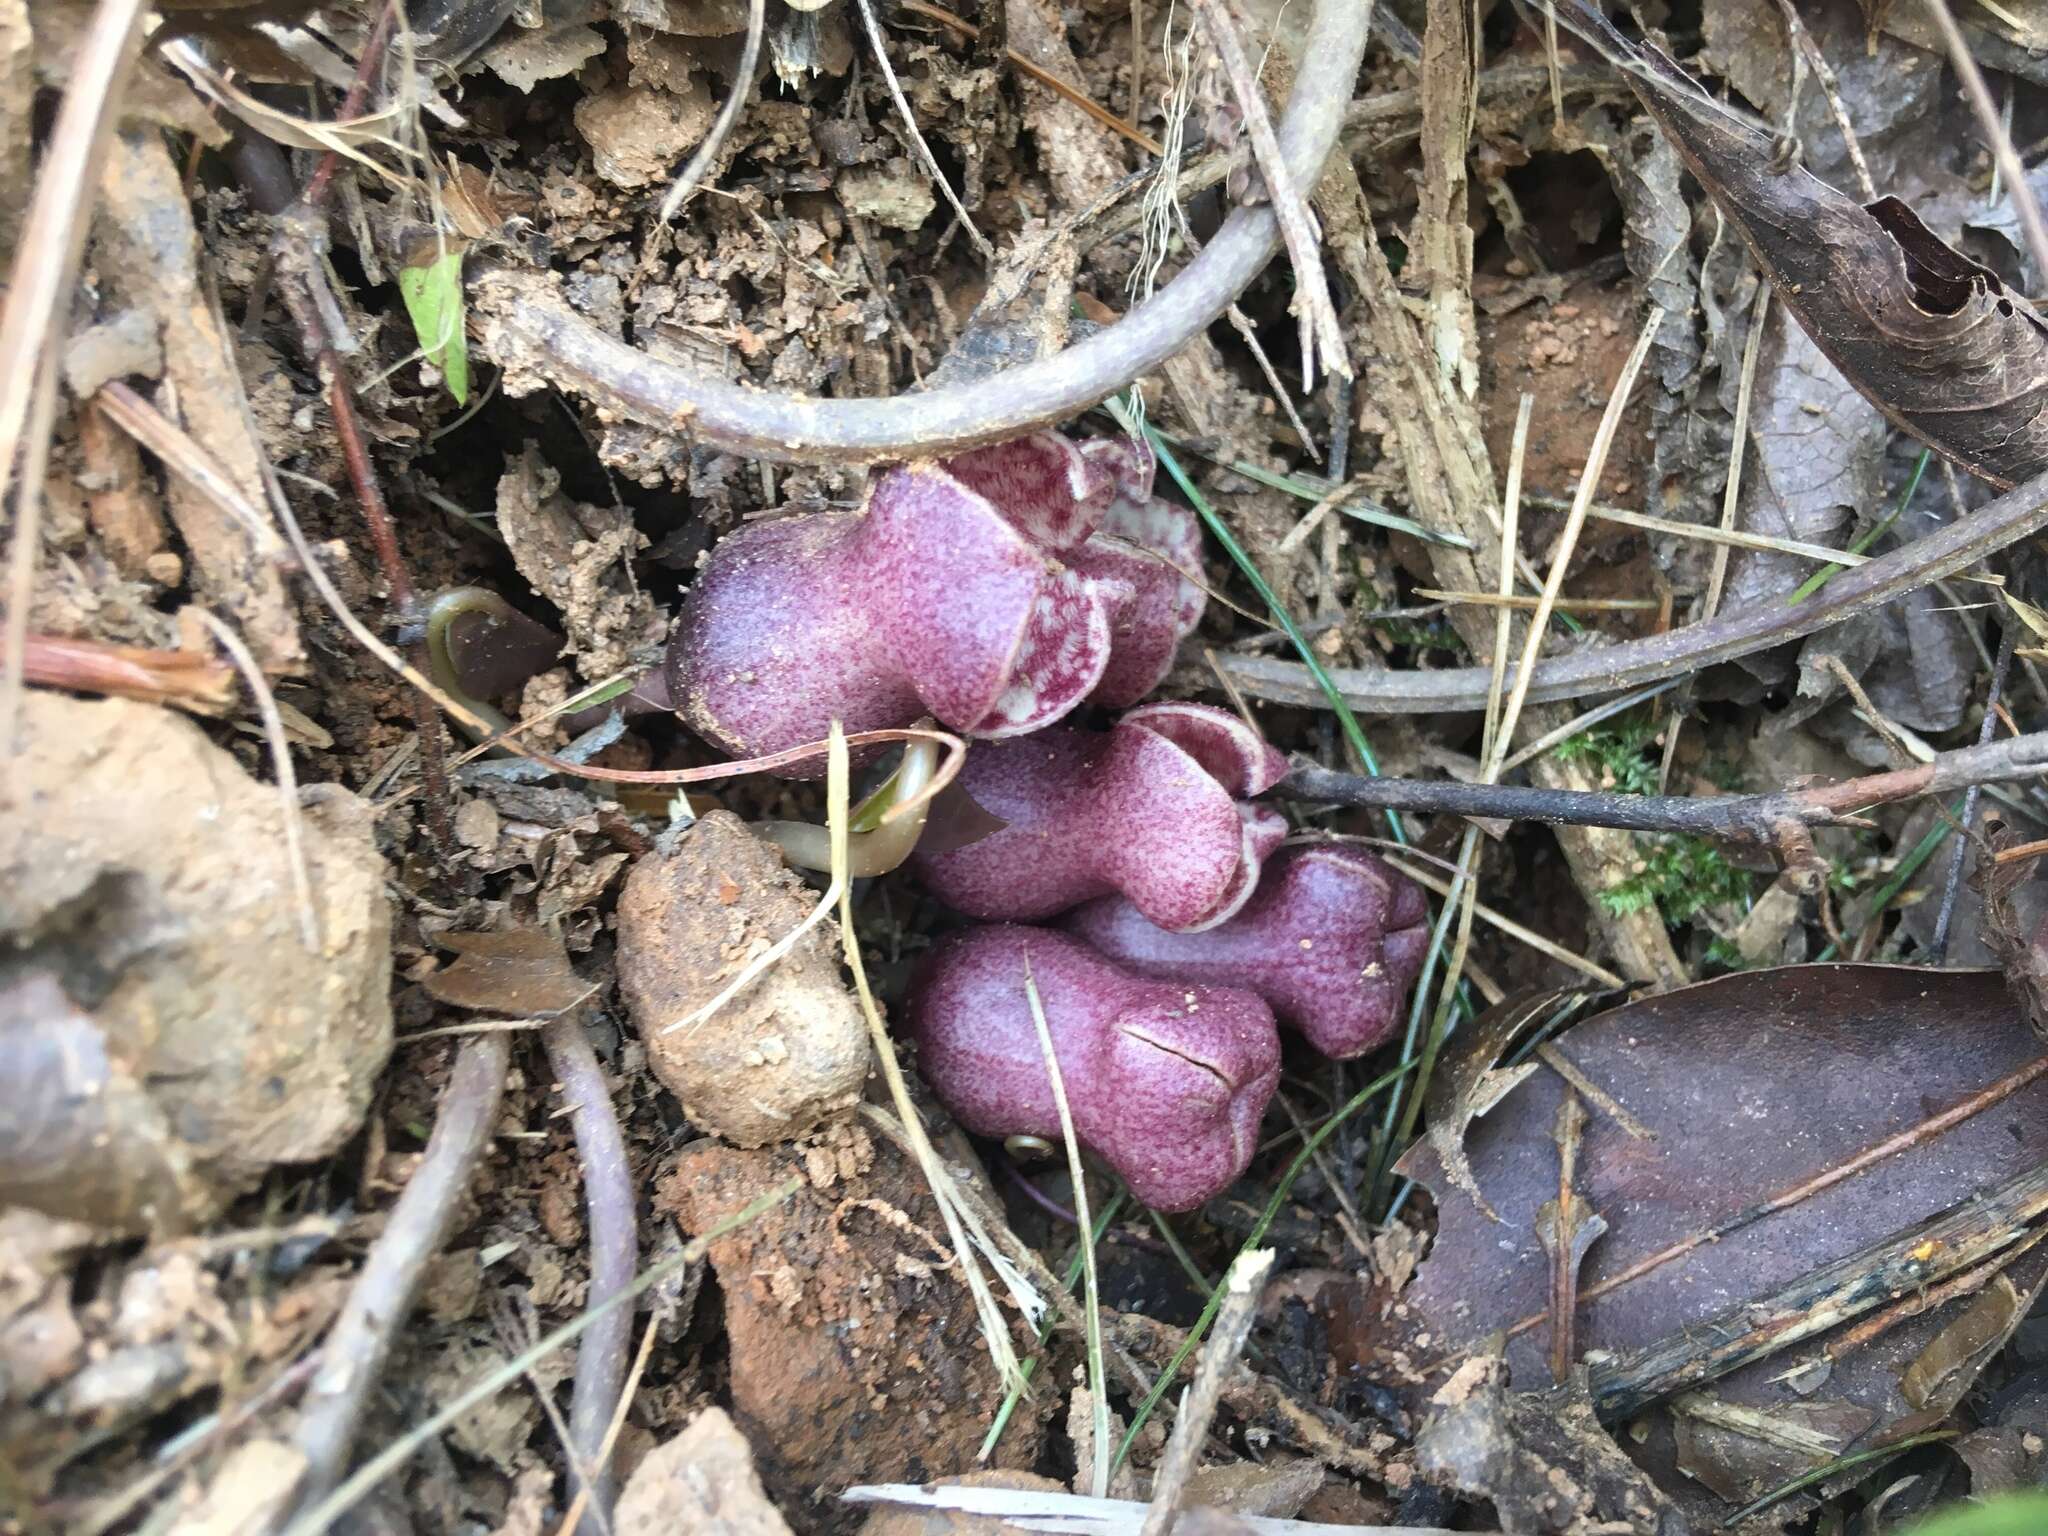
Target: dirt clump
x=702, y=1481
x=788, y=1053
x=167, y=1034
x=856, y=1356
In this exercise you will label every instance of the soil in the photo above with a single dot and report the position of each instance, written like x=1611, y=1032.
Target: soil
x=236, y=1014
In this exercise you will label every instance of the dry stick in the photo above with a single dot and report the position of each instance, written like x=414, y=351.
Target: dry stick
x=1925, y=1254
x=1071, y=94
x=1098, y=1389
x=574, y=1515
x=1849, y=1340
x=614, y=1258
x=2001, y=143
x=1753, y=819
x=1508, y=601
x=189, y=679
x=1732, y=538
x=1731, y=497
x=1320, y=332
x=1567, y=541
x=1396, y=112
x=1242, y=1288
x=524, y=320
x=1511, y=928
x=32, y=322
x=352, y=1359
x=1938, y=950
x=281, y=765
x=1018, y=1509
x=301, y=235
x=924, y=150
x=1831, y=92
x=743, y=86
x=1584, y=721
x=1137, y=61
x=1602, y=669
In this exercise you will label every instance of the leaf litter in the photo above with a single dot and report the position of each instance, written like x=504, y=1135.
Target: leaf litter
x=1833, y=1169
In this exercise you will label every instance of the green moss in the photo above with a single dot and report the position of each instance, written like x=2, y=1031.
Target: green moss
x=1622, y=756
x=1680, y=876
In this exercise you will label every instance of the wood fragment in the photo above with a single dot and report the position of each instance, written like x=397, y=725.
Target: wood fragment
x=1567, y=1228
x=1975, y=1229
x=1243, y=1286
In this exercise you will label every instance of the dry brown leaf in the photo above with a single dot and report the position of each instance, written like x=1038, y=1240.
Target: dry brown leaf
x=1930, y=337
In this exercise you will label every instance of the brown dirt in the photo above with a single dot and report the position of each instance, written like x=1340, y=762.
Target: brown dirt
x=855, y=1352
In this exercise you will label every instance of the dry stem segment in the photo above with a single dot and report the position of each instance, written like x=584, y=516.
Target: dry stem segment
x=1925, y=1254
x=1602, y=669
x=530, y=331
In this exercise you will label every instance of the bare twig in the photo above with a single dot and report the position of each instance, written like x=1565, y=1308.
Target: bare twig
x=1938, y=949
x=525, y=323
x=1831, y=91
x=924, y=150
x=1091, y=1291
x=1045, y=77
x=1602, y=669
x=321, y=1517
x=1243, y=1286
x=189, y=679
x=1731, y=499
x=1918, y=1135
x=1510, y=927
x=609, y=1198
x=2014, y=173
x=1755, y=819
x=32, y=319
x=1567, y=541
x=361, y=1340
x=1029, y=1510
x=1321, y=335
x=1925, y=1254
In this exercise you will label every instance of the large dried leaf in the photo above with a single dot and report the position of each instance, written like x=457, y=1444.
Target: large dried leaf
x=1929, y=336
x=1753, y=1088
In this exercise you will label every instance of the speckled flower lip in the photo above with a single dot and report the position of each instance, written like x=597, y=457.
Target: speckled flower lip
x=995, y=591
x=1332, y=939
x=1155, y=809
x=1165, y=1081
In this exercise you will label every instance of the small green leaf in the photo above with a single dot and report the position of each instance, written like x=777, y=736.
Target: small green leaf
x=431, y=286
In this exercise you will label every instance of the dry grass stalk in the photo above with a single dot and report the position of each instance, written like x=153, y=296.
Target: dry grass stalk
x=1321, y=336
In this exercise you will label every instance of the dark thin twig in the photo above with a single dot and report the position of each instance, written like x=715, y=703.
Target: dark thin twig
x=352, y=1359
x=614, y=1257
x=1938, y=950
x=1757, y=819
x=296, y=249
x=368, y=63
x=742, y=88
